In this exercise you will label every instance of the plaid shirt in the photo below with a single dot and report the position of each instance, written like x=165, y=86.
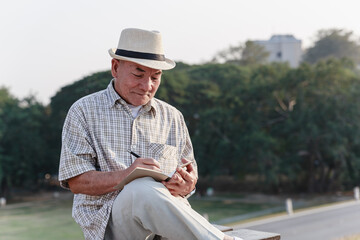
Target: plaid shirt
x=97, y=134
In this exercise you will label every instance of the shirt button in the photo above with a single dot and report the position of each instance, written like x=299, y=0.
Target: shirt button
x=133, y=147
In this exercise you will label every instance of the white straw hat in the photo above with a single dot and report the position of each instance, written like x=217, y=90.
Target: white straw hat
x=142, y=47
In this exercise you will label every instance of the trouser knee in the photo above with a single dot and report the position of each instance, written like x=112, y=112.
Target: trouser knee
x=146, y=188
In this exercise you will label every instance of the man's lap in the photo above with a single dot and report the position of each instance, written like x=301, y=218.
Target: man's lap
x=145, y=206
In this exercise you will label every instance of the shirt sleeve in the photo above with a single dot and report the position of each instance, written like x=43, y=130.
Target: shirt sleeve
x=77, y=153
x=187, y=150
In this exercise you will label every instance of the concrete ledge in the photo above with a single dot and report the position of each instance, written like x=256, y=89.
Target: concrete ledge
x=248, y=234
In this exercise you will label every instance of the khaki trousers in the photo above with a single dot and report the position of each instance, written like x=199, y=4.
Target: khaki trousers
x=145, y=208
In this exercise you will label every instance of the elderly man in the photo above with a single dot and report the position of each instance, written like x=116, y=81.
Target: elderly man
x=101, y=129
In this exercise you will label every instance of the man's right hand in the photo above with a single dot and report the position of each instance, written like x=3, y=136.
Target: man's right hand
x=97, y=183
x=148, y=163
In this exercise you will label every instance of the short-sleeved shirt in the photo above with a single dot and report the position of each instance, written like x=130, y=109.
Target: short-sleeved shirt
x=98, y=132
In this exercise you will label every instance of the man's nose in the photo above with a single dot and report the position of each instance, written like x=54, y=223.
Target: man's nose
x=146, y=84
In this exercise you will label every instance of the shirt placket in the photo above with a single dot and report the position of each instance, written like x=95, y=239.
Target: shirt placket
x=134, y=146
x=129, y=126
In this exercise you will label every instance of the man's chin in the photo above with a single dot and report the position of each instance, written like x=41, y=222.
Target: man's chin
x=140, y=102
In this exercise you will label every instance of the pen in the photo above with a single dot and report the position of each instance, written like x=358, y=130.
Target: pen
x=180, y=166
x=134, y=154
x=185, y=164
x=138, y=156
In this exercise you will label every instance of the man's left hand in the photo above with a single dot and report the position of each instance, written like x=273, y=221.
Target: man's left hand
x=183, y=181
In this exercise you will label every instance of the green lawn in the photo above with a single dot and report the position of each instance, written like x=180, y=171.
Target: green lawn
x=52, y=219
x=219, y=209
x=39, y=220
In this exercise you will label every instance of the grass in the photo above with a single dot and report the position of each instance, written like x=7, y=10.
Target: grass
x=219, y=209
x=51, y=219
x=39, y=220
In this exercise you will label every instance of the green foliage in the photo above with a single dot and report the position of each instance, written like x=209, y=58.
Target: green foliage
x=289, y=129
x=41, y=220
x=30, y=133
x=254, y=54
x=293, y=128
x=23, y=153
x=6, y=102
x=334, y=43
x=62, y=101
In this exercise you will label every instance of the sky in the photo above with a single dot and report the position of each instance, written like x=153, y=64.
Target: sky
x=48, y=44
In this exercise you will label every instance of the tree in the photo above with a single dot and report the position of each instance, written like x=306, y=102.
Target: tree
x=174, y=84
x=336, y=43
x=24, y=150
x=62, y=101
x=254, y=54
x=293, y=129
x=233, y=53
x=296, y=129
x=228, y=105
x=249, y=54
x=320, y=133
x=7, y=101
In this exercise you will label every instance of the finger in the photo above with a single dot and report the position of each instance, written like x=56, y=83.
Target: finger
x=189, y=167
x=173, y=188
x=171, y=181
x=176, y=179
x=184, y=160
x=150, y=161
x=145, y=163
x=181, y=184
x=174, y=193
x=185, y=175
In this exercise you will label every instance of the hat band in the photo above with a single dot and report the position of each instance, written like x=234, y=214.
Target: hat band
x=142, y=55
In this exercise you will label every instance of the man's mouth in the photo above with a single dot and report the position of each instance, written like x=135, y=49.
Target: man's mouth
x=143, y=94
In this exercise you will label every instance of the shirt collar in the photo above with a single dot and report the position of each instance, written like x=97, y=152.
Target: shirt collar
x=114, y=98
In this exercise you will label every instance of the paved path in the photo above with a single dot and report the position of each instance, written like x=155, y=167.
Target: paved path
x=324, y=223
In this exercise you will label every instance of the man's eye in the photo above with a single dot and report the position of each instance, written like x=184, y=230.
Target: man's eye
x=136, y=75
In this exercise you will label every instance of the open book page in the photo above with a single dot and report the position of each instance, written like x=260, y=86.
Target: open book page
x=139, y=173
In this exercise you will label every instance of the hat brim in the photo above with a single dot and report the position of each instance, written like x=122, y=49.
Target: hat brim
x=162, y=65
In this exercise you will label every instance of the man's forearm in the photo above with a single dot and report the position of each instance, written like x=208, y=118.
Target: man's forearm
x=96, y=183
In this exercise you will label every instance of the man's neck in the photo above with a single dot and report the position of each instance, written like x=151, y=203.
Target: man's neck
x=134, y=110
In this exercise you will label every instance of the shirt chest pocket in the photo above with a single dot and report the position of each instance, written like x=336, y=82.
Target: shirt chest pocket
x=167, y=156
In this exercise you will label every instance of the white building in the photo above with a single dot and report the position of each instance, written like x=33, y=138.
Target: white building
x=283, y=48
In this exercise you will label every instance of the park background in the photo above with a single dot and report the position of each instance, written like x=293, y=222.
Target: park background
x=257, y=127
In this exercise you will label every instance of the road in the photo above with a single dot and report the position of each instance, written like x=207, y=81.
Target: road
x=324, y=223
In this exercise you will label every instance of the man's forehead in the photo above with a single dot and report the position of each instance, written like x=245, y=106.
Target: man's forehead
x=142, y=68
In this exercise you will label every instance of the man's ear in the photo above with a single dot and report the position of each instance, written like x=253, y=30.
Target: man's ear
x=114, y=67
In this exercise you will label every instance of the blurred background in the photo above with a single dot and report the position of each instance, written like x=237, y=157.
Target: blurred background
x=269, y=91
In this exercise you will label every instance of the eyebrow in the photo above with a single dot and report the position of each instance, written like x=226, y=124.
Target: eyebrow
x=142, y=70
